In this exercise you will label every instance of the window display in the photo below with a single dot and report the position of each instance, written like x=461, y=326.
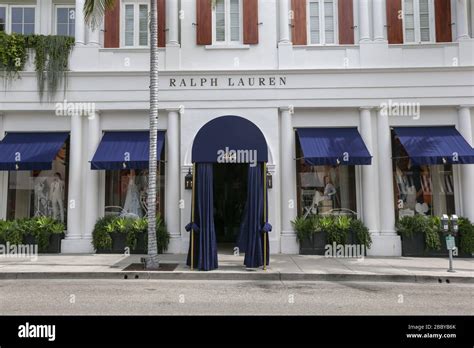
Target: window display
x=126, y=192
x=39, y=192
x=421, y=189
x=326, y=189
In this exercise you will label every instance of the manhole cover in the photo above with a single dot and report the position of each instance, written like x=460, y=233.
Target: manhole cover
x=164, y=267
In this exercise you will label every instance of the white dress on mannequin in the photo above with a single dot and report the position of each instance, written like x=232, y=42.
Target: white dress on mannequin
x=56, y=194
x=131, y=206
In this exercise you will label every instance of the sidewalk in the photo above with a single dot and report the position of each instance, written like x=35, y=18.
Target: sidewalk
x=282, y=267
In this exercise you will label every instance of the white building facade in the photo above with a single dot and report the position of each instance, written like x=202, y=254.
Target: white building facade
x=283, y=65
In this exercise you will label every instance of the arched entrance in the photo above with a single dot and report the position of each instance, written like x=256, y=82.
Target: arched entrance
x=229, y=158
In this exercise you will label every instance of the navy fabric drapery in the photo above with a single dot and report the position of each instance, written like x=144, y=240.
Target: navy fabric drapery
x=205, y=243
x=333, y=146
x=30, y=151
x=125, y=150
x=435, y=145
x=231, y=132
x=251, y=230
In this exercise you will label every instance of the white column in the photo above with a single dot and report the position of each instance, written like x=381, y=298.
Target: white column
x=387, y=243
x=173, y=22
x=284, y=22
x=378, y=15
x=461, y=20
x=91, y=206
x=94, y=37
x=364, y=21
x=173, y=177
x=289, y=244
x=467, y=170
x=80, y=24
x=72, y=243
x=369, y=195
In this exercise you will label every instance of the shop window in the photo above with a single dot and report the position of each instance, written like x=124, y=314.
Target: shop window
x=3, y=18
x=227, y=19
x=322, y=22
x=126, y=192
x=421, y=189
x=23, y=20
x=65, y=20
x=325, y=189
x=39, y=192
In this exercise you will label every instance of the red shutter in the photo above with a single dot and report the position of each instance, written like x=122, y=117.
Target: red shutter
x=161, y=23
x=346, y=22
x=443, y=21
x=204, y=22
x=112, y=27
x=250, y=9
x=299, y=35
x=394, y=22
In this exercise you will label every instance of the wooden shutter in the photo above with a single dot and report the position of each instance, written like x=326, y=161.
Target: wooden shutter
x=346, y=22
x=250, y=16
x=299, y=34
x=394, y=21
x=204, y=22
x=112, y=27
x=443, y=20
x=161, y=5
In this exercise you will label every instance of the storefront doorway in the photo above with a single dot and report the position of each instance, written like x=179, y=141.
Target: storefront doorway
x=230, y=194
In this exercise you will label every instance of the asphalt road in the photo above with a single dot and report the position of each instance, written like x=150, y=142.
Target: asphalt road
x=166, y=297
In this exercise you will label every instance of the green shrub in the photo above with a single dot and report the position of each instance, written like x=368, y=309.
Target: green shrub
x=101, y=234
x=429, y=226
x=303, y=227
x=361, y=232
x=466, y=235
x=338, y=230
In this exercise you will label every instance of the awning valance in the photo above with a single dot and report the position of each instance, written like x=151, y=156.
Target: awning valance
x=333, y=146
x=435, y=145
x=30, y=151
x=125, y=150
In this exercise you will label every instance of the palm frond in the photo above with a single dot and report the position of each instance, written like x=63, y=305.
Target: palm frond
x=94, y=11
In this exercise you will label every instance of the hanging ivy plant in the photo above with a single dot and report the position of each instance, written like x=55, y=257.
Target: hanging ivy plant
x=51, y=59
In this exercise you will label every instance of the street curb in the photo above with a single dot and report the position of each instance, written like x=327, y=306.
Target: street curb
x=270, y=276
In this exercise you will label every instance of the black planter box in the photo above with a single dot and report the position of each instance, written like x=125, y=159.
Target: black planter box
x=313, y=245
x=140, y=246
x=54, y=246
x=415, y=246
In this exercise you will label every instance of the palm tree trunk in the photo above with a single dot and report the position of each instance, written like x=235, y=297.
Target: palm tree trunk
x=152, y=259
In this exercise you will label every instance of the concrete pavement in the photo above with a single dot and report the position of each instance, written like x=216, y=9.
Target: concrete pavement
x=282, y=267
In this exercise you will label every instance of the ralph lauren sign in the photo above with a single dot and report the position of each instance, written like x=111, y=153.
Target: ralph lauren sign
x=227, y=82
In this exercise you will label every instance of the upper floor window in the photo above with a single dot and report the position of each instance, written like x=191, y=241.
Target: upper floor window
x=23, y=20
x=418, y=21
x=3, y=18
x=135, y=24
x=65, y=20
x=227, y=22
x=322, y=22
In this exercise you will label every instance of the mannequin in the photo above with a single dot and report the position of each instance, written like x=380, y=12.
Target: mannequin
x=56, y=195
x=41, y=198
x=132, y=199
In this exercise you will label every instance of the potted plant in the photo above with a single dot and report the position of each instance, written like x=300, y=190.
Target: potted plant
x=420, y=236
x=465, y=238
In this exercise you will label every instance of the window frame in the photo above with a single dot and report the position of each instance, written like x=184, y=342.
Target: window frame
x=5, y=6
x=227, y=29
x=59, y=6
x=416, y=20
x=136, y=23
x=322, y=23
x=23, y=6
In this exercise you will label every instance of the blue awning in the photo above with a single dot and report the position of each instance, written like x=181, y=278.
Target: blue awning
x=435, y=145
x=125, y=150
x=226, y=135
x=333, y=146
x=30, y=151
